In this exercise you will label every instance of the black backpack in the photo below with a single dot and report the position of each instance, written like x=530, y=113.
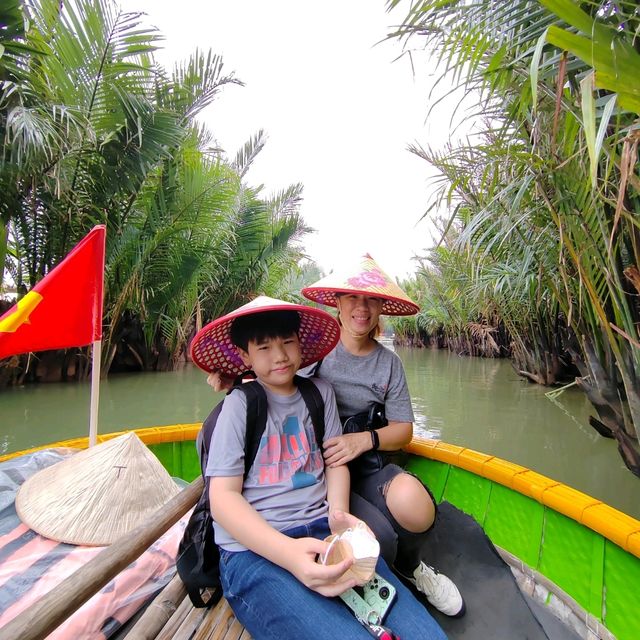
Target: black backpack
x=198, y=554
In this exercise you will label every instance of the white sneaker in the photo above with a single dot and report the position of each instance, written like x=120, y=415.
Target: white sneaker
x=440, y=591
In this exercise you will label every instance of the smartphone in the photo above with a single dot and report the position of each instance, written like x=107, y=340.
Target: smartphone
x=371, y=602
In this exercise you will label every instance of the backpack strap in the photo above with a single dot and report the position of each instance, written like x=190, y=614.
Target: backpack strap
x=315, y=405
x=256, y=420
x=198, y=555
x=203, y=440
x=314, y=369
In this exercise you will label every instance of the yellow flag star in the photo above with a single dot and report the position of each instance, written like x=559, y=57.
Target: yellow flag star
x=24, y=308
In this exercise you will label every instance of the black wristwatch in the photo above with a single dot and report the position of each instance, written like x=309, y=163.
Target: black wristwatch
x=375, y=440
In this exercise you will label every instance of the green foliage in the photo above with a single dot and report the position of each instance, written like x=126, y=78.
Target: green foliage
x=607, y=45
x=543, y=233
x=94, y=131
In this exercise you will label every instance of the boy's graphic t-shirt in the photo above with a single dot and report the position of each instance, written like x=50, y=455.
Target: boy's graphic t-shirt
x=286, y=483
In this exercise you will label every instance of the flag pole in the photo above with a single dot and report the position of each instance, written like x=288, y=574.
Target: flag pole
x=96, y=349
x=96, y=357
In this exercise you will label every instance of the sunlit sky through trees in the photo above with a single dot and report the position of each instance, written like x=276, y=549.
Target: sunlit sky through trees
x=339, y=109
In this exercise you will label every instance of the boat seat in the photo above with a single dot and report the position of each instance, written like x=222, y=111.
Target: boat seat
x=217, y=623
x=171, y=616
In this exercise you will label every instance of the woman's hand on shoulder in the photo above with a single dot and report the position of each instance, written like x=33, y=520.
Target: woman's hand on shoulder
x=326, y=580
x=218, y=381
x=344, y=448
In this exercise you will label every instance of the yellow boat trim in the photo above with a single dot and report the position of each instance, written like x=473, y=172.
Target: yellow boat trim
x=148, y=435
x=614, y=525
x=594, y=514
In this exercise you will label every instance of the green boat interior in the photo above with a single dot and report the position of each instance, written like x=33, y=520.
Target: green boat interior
x=526, y=571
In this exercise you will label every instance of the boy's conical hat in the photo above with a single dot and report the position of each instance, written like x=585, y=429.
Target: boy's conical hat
x=365, y=278
x=98, y=494
x=212, y=349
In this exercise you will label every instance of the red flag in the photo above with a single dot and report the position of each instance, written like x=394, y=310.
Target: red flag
x=65, y=308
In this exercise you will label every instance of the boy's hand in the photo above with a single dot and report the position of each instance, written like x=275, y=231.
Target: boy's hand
x=324, y=579
x=340, y=521
x=344, y=448
x=218, y=381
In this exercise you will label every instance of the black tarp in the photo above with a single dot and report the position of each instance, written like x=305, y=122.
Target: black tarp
x=496, y=608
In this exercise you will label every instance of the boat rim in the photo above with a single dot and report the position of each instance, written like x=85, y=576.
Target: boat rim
x=614, y=525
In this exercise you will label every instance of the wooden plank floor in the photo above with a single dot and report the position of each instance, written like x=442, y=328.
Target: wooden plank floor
x=171, y=616
x=217, y=623
x=220, y=624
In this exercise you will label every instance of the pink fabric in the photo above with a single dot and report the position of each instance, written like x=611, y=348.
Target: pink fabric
x=116, y=601
x=373, y=278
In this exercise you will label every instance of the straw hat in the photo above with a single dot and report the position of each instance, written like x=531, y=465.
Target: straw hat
x=212, y=348
x=365, y=278
x=96, y=495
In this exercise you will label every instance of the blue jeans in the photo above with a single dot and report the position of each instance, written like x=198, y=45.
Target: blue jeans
x=273, y=605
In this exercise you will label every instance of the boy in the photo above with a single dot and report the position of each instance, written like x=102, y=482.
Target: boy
x=270, y=526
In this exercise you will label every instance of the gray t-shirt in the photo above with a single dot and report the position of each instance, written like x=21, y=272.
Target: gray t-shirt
x=360, y=380
x=286, y=484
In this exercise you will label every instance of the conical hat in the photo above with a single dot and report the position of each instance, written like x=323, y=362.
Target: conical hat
x=96, y=495
x=212, y=349
x=365, y=278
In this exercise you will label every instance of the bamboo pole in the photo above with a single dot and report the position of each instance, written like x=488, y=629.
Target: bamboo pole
x=189, y=625
x=96, y=357
x=159, y=611
x=176, y=620
x=56, y=606
x=220, y=624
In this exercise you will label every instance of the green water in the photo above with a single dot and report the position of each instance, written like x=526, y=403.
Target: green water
x=481, y=404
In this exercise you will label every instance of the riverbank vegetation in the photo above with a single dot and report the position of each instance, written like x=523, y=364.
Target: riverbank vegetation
x=538, y=256
x=542, y=244
x=94, y=130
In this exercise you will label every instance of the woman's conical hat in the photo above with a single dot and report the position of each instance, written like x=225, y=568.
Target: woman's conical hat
x=212, y=349
x=97, y=495
x=365, y=278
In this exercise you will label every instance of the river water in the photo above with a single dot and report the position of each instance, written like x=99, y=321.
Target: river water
x=477, y=403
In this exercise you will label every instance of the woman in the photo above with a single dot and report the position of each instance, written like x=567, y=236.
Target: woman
x=368, y=377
